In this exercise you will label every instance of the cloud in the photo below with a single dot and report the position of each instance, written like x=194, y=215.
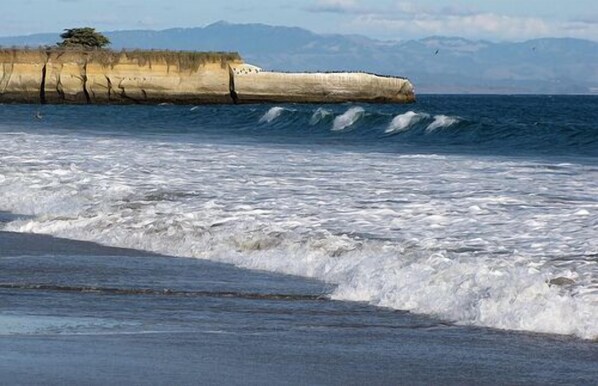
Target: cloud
x=405, y=19
x=486, y=25
x=581, y=28
x=481, y=25
x=335, y=6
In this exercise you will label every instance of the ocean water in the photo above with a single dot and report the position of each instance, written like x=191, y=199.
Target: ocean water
x=474, y=210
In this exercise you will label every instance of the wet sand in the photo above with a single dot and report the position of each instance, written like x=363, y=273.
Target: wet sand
x=79, y=313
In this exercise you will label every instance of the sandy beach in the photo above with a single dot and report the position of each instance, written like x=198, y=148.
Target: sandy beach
x=204, y=322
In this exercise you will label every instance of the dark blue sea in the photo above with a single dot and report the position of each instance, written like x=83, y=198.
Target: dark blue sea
x=453, y=241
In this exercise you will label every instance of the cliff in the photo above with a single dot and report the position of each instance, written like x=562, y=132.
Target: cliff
x=58, y=76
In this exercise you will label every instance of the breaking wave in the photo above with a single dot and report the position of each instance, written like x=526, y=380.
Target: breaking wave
x=319, y=115
x=404, y=121
x=348, y=118
x=495, y=128
x=442, y=121
x=364, y=125
x=432, y=234
x=271, y=114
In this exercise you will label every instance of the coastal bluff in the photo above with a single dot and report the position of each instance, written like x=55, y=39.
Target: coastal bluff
x=55, y=76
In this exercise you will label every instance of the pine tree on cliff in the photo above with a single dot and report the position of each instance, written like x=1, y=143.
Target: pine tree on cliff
x=85, y=37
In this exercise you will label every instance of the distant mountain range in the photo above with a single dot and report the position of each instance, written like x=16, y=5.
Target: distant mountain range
x=435, y=64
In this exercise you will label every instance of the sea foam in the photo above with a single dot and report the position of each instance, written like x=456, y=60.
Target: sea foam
x=348, y=118
x=403, y=122
x=272, y=114
x=442, y=121
x=437, y=235
x=319, y=115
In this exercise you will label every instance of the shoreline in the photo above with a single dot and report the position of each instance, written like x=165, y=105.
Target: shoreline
x=74, y=246
x=153, y=338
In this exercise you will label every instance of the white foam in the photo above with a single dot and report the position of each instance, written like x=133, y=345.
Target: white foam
x=348, y=118
x=403, y=122
x=457, y=237
x=319, y=115
x=271, y=114
x=442, y=122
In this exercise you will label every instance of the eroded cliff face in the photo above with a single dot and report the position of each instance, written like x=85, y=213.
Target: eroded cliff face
x=21, y=76
x=39, y=76
x=263, y=86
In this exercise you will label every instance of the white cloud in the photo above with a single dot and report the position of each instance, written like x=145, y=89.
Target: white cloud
x=335, y=6
x=486, y=25
x=481, y=25
x=405, y=19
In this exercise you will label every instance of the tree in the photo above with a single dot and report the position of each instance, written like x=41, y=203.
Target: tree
x=83, y=38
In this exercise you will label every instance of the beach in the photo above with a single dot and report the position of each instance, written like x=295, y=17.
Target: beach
x=228, y=325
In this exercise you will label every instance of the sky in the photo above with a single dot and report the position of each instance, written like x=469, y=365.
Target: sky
x=495, y=20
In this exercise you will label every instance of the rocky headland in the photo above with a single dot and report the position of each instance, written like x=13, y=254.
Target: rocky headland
x=103, y=76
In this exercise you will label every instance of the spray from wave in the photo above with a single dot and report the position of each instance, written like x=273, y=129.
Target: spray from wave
x=442, y=121
x=319, y=115
x=272, y=114
x=348, y=118
x=403, y=122
x=495, y=292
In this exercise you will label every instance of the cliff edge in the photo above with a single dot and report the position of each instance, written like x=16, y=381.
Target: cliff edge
x=102, y=76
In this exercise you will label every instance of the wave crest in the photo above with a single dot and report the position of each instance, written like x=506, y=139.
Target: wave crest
x=493, y=292
x=272, y=114
x=442, y=121
x=348, y=118
x=403, y=122
x=319, y=115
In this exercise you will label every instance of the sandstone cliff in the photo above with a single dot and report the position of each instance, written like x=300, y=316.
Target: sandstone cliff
x=54, y=76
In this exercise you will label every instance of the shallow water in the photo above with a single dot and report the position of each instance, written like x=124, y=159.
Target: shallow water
x=478, y=211
x=76, y=312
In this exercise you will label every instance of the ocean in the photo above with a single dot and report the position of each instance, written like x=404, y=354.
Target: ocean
x=468, y=215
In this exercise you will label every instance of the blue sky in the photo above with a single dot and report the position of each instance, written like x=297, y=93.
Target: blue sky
x=495, y=20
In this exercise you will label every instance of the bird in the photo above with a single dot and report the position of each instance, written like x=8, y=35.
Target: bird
x=436, y=53
x=38, y=115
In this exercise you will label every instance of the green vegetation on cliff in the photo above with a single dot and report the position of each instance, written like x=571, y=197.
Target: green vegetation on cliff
x=185, y=60
x=85, y=37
